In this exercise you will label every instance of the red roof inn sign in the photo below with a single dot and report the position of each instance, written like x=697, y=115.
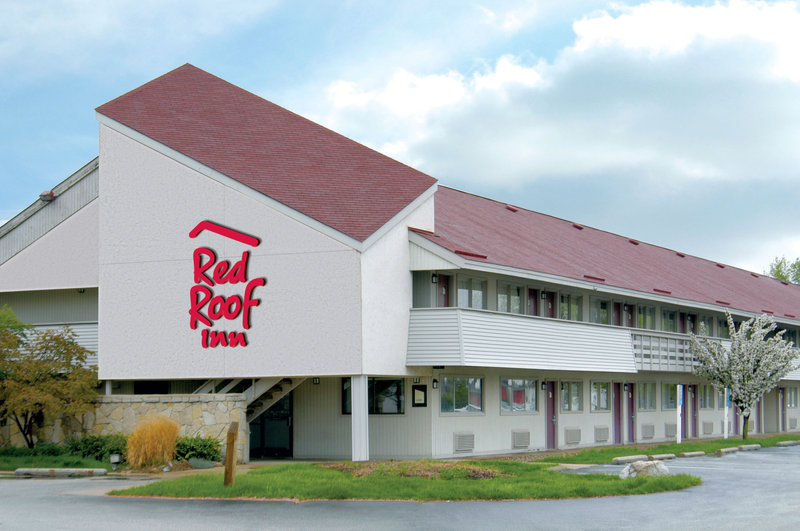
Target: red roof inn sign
x=207, y=308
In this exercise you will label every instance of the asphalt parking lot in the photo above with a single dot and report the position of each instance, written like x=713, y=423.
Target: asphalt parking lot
x=747, y=490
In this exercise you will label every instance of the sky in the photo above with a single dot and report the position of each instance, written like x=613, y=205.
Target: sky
x=674, y=123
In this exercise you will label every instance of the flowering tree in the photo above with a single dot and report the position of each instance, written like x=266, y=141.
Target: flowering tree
x=42, y=374
x=753, y=365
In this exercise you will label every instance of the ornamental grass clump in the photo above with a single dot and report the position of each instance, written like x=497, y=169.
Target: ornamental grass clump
x=153, y=442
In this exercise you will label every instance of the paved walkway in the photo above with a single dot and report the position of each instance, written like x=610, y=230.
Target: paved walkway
x=747, y=490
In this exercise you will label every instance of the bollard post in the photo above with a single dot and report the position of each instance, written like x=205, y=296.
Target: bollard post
x=230, y=455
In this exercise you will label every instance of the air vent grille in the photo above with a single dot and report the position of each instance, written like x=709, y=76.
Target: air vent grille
x=520, y=439
x=463, y=442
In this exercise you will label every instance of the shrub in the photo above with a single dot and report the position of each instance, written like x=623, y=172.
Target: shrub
x=48, y=448
x=153, y=442
x=15, y=451
x=98, y=447
x=207, y=448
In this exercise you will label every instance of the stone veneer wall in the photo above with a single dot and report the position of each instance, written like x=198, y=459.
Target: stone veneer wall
x=207, y=415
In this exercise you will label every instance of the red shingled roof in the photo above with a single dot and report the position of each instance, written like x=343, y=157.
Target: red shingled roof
x=305, y=166
x=467, y=223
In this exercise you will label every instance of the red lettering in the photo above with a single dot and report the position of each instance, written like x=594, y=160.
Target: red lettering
x=212, y=339
x=239, y=271
x=232, y=307
x=249, y=302
x=220, y=270
x=199, y=296
x=200, y=267
x=237, y=338
x=215, y=308
x=215, y=339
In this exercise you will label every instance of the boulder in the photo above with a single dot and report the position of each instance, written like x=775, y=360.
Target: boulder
x=644, y=468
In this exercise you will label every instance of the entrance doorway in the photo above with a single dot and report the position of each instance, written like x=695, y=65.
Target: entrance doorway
x=550, y=417
x=271, y=432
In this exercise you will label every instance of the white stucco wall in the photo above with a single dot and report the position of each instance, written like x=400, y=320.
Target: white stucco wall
x=309, y=319
x=386, y=294
x=65, y=257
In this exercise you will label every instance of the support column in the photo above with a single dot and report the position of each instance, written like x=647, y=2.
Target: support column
x=359, y=417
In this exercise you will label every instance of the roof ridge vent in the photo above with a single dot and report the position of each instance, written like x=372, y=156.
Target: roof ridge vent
x=634, y=242
x=726, y=303
x=754, y=275
x=591, y=277
x=469, y=253
x=664, y=291
x=721, y=266
x=579, y=227
x=511, y=208
x=680, y=254
x=768, y=311
x=790, y=316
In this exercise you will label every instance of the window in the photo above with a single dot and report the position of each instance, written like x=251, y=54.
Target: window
x=600, y=398
x=385, y=396
x=669, y=322
x=509, y=298
x=600, y=312
x=571, y=396
x=461, y=394
x=706, y=398
x=472, y=293
x=571, y=308
x=517, y=395
x=706, y=325
x=646, y=317
x=791, y=397
x=669, y=396
x=722, y=328
x=647, y=396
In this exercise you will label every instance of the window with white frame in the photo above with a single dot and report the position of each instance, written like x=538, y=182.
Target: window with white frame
x=600, y=311
x=706, y=396
x=384, y=395
x=791, y=396
x=571, y=307
x=669, y=396
x=517, y=395
x=600, y=396
x=646, y=317
x=722, y=328
x=472, y=293
x=706, y=325
x=669, y=321
x=571, y=396
x=461, y=394
x=647, y=396
x=510, y=298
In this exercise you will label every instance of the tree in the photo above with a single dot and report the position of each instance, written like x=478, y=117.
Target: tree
x=756, y=361
x=783, y=269
x=43, y=375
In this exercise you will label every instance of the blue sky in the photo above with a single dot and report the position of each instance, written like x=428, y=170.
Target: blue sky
x=671, y=122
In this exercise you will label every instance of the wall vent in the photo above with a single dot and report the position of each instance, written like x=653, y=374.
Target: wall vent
x=520, y=438
x=708, y=428
x=792, y=423
x=572, y=435
x=601, y=434
x=648, y=431
x=670, y=429
x=463, y=442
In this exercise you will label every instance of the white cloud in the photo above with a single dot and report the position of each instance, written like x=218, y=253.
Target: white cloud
x=49, y=36
x=510, y=20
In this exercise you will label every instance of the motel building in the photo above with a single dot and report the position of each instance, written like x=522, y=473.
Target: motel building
x=226, y=259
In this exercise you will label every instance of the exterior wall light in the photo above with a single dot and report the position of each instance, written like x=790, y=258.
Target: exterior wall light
x=625, y=387
x=544, y=386
x=315, y=381
x=435, y=383
x=434, y=278
x=47, y=196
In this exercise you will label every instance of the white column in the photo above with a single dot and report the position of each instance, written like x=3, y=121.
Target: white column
x=359, y=418
x=108, y=387
x=680, y=408
x=725, y=418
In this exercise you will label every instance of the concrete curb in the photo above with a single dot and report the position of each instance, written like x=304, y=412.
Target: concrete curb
x=59, y=472
x=749, y=447
x=661, y=457
x=692, y=454
x=624, y=460
x=784, y=444
x=726, y=451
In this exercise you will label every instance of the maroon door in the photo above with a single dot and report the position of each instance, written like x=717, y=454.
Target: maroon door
x=533, y=301
x=617, y=413
x=684, y=412
x=550, y=417
x=443, y=291
x=631, y=413
x=617, y=318
x=629, y=316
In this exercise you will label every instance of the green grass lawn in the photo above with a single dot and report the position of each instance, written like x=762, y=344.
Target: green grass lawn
x=605, y=455
x=512, y=480
x=50, y=461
